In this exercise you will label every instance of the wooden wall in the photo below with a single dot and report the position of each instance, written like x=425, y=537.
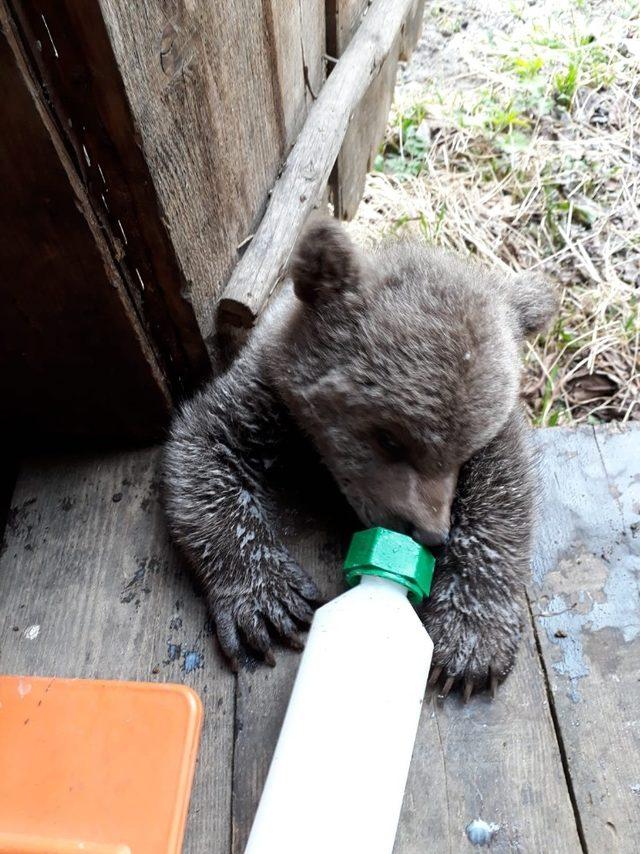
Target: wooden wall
x=140, y=145
x=219, y=92
x=74, y=356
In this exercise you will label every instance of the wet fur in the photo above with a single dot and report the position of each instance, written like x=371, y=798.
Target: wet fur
x=401, y=369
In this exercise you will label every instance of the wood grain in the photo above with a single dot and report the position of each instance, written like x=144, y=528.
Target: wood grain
x=298, y=45
x=307, y=168
x=362, y=139
x=72, y=60
x=86, y=559
x=368, y=122
x=343, y=19
x=496, y=761
x=412, y=30
x=75, y=361
x=586, y=598
x=218, y=93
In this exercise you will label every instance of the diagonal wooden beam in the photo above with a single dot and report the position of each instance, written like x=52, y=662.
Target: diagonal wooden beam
x=307, y=168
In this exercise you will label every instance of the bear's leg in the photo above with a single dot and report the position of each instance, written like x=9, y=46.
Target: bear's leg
x=474, y=612
x=217, y=464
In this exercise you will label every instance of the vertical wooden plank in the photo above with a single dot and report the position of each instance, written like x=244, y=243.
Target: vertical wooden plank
x=203, y=82
x=367, y=124
x=343, y=19
x=74, y=358
x=313, y=39
x=412, y=30
x=298, y=42
x=68, y=49
x=362, y=139
x=91, y=588
x=586, y=598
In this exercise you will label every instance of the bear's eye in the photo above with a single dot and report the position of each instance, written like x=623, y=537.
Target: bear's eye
x=390, y=445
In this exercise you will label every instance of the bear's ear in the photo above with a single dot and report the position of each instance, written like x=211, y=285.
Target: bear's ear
x=324, y=262
x=534, y=300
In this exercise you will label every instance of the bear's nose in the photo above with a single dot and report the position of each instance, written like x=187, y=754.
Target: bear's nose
x=431, y=539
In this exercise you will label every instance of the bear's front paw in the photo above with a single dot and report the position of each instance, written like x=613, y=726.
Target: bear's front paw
x=276, y=601
x=474, y=647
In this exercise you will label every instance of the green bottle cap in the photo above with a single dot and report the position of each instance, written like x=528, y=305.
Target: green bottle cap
x=388, y=554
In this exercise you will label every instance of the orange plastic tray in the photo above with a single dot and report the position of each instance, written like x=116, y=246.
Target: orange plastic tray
x=95, y=766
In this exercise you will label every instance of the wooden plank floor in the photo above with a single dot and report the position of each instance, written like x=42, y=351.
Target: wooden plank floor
x=586, y=599
x=90, y=587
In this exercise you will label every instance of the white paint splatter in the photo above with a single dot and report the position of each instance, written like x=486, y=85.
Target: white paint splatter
x=32, y=632
x=619, y=610
x=24, y=688
x=479, y=832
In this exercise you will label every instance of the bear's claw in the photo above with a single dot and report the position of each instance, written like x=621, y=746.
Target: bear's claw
x=247, y=619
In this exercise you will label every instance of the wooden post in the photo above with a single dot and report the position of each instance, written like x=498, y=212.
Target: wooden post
x=368, y=122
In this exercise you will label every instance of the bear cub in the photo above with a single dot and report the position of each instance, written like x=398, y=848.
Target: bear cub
x=400, y=367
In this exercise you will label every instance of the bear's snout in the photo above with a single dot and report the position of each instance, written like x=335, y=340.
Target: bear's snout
x=432, y=509
x=412, y=504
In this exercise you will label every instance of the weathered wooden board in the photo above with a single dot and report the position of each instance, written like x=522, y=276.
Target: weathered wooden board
x=91, y=588
x=298, y=44
x=494, y=761
x=218, y=94
x=68, y=49
x=361, y=142
x=74, y=358
x=368, y=121
x=586, y=598
x=343, y=19
x=412, y=29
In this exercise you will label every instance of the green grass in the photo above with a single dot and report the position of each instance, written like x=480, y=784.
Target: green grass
x=515, y=169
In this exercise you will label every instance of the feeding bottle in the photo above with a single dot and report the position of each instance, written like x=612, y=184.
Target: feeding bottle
x=337, y=777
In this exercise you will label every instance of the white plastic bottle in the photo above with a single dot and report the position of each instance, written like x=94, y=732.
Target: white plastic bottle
x=338, y=774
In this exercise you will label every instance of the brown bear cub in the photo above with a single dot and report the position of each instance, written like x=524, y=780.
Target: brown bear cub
x=401, y=369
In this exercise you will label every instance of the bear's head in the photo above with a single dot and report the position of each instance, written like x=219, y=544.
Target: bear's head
x=400, y=365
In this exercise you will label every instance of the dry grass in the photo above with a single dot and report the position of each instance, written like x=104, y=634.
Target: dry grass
x=532, y=159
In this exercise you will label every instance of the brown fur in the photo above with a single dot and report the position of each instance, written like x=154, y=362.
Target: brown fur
x=402, y=369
